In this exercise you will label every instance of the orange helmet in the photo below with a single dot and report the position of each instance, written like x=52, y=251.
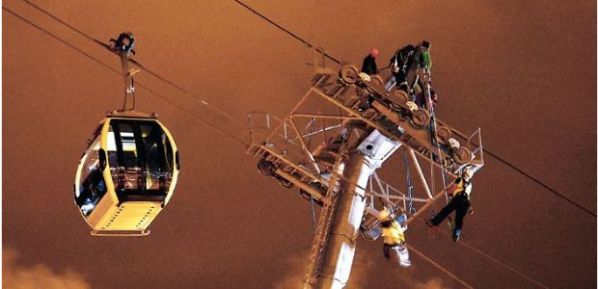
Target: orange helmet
x=374, y=52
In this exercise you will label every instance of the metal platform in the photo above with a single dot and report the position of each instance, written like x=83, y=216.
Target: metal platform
x=333, y=138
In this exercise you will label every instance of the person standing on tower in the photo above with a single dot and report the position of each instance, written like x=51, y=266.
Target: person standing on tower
x=400, y=63
x=424, y=59
x=369, y=62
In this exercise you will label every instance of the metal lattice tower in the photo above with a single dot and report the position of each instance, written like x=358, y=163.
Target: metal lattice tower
x=333, y=142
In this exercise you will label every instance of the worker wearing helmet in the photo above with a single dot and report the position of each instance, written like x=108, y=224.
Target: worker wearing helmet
x=369, y=67
x=369, y=62
x=460, y=192
x=393, y=235
x=125, y=43
x=424, y=59
x=400, y=63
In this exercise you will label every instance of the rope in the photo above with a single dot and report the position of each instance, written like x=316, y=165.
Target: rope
x=492, y=259
x=305, y=42
x=535, y=180
x=440, y=267
x=280, y=27
x=80, y=51
x=149, y=71
x=410, y=208
x=242, y=143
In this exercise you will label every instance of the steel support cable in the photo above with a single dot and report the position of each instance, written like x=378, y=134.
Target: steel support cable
x=149, y=71
x=242, y=143
x=337, y=61
x=217, y=129
x=492, y=259
x=288, y=32
x=440, y=267
x=535, y=180
x=94, y=59
x=305, y=42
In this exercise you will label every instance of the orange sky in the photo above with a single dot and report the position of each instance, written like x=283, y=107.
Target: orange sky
x=523, y=71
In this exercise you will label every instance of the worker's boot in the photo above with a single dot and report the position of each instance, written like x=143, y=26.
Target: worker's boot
x=456, y=235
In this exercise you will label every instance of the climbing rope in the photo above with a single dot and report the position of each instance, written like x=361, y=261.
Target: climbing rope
x=410, y=208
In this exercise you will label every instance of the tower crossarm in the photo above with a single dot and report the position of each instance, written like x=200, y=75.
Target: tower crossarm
x=393, y=114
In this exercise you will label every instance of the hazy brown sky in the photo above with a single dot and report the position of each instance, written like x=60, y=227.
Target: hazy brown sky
x=523, y=71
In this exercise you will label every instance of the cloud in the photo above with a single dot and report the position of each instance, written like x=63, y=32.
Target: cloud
x=296, y=268
x=361, y=274
x=15, y=276
x=430, y=284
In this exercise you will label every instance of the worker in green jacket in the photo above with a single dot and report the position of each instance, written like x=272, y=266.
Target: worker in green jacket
x=424, y=59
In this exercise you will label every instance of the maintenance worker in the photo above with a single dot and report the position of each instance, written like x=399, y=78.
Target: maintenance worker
x=400, y=64
x=125, y=42
x=369, y=62
x=424, y=59
x=460, y=192
x=394, y=236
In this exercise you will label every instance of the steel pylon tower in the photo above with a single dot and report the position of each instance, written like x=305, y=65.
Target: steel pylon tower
x=333, y=142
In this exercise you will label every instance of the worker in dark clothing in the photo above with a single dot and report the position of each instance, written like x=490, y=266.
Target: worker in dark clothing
x=400, y=64
x=369, y=62
x=460, y=196
x=125, y=42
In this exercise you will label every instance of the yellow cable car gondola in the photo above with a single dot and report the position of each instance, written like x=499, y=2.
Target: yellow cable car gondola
x=129, y=171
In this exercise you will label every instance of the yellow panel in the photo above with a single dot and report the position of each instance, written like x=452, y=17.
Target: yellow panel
x=106, y=204
x=134, y=215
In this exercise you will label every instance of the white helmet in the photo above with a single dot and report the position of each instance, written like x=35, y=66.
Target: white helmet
x=412, y=106
x=453, y=143
x=365, y=77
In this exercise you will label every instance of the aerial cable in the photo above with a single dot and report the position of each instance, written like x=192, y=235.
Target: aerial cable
x=216, y=128
x=149, y=71
x=440, y=267
x=54, y=36
x=280, y=27
x=62, y=41
x=305, y=42
x=558, y=194
x=492, y=259
x=242, y=143
x=555, y=192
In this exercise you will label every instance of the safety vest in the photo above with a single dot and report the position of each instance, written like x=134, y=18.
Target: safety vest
x=462, y=187
x=393, y=234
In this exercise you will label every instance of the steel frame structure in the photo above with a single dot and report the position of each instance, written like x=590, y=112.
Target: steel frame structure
x=309, y=148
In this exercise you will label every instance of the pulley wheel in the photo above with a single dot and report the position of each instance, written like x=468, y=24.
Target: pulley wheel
x=265, y=167
x=399, y=97
x=420, y=118
x=462, y=155
x=349, y=74
x=443, y=133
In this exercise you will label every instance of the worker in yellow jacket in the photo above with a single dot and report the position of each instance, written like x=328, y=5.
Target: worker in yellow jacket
x=393, y=235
